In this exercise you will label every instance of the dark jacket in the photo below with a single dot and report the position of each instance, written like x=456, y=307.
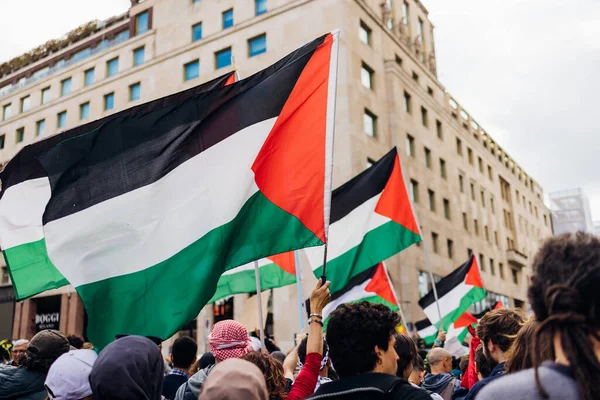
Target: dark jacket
x=438, y=383
x=370, y=386
x=170, y=385
x=192, y=388
x=21, y=384
x=497, y=372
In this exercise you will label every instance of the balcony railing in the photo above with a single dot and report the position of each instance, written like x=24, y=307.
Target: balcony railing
x=516, y=258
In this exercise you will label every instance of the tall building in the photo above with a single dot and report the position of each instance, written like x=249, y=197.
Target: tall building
x=571, y=211
x=469, y=194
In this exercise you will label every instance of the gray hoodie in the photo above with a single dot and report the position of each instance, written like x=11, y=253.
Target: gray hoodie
x=192, y=388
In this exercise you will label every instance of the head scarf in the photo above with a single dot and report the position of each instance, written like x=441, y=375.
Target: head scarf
x=128, y=368
x=235, y=379
x=228, y=339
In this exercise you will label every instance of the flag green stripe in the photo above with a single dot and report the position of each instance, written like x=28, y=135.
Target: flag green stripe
x=271, y=276
x=473, y=296
x=164, y=297
x=31, y=271
x=377, y=245
x=372, y=299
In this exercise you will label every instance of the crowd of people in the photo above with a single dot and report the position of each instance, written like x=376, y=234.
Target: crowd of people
x=553, y=354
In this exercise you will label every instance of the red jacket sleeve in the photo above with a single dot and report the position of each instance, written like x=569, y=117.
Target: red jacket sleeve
x=306, y=382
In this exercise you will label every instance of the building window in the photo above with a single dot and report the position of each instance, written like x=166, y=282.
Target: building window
x=427, y=157
x=459, y=149
x=487, y=233
x=470, y=155
x=141, y=23
x=410, y=146
x=461, y=183
x=260, y=7
x=407, y=103
x=223, y=58
x=450, y=246
x=197, y=32
x=46, y=95
x=492, y=267
x=501, y=270
x=398, y=60
x=370, y=123
x=84, y=111
x=483, y=199
x=366, y=76
x=405, y=11
x=476, y=227
x=465, y=222
x=424, y=118
x=431, y=200
x=191, y=70
x=109, y=101
x=135, y=91
x=25, y=103
x=443, y=168
x=490, y=174
x=257, y=45
x=480, y=161
x=40, y=127
x=421, y=33
x=545, y=220
x=112, y=67
x=473, y=191
x=61, y=119
x=228, y=19
x=438, y=128
x=20, y=135
x=429, y=91
x=469, y=253
x=2, y=140
x=424, y=282
x=482, y=261
x=65, y=86
x=415, y=77
x=515, y=276
x=6, y=111
x=89, y=77
x=447, y=209
x=139, y=56
x=434, y=242
x=364, y=33
x=414, y=191
x=492, y=205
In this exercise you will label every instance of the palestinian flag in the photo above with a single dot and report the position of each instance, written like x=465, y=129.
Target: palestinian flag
x=144, y=212
x=456, y=292
x=275, y=271
x=373, y=285
x=371, y=220
x=458, y=329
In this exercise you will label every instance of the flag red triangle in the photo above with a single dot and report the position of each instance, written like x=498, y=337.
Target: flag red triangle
x=498, y=305
x=473, y=278
x=381, y=286
x=467, y=319
x=285, y=261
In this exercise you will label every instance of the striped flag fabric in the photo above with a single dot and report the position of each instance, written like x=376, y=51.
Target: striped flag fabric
x=144, y=213
x=457, y=292
x=371, y=220
x=371, y=285
x=458, y=329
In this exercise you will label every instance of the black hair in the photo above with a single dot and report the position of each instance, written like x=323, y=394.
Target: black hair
x=75, y=341
x=302, y=349
x=184, y=352
x=464, y=364
x=406, y=350
x=354, y=330
x=484, y=365
x=565, y=299
x=418, y=363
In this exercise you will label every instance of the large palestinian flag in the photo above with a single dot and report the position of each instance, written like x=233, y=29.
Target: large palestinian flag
x=371, y=285
x=371, y=220
x=144, y=213
x=457, y=292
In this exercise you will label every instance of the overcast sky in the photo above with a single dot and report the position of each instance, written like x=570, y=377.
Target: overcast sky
x=526, y=70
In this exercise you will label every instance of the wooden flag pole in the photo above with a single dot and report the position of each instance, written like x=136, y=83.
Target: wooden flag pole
x=299, y=289
x=259, y=300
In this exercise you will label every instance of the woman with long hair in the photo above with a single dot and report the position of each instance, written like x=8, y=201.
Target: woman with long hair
x=521, y=351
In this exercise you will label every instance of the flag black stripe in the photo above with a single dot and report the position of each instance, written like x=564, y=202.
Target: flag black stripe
x=355, y=281
x=362, y=187
x=446, y=284
x=134, y=150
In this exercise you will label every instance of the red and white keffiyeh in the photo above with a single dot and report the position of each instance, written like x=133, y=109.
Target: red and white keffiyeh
x=229, y=339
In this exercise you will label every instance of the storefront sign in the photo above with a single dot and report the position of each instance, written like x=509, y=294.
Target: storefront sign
x=48, y=313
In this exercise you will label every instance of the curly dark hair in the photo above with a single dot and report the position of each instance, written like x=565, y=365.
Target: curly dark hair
x=272, y=371
x=184, y=352
x=302, y=349
x=565, y=298
x=521, y=351
x=75, y=341
x=500, y=326
x=354, y=330
x=407, y=352
x=484, y=365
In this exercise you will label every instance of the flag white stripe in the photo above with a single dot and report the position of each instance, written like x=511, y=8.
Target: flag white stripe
x=146, y=226
x=448, y=303
x=356, y=293
x=247, y=267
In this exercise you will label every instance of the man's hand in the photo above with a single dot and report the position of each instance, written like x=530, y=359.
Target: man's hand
x=320, y=297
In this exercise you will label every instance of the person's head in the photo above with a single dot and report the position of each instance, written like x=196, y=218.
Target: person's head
x=279, y=356
x=407, y=351
x=272, y=370
x=45, y=347
x=564, y=296
x=234, y=379
x=440, y=360
x=68, y=378
x=418, y=372
x=206, y=360
x=228, y=339
x=183, y=353
x=361, y=339
x=325, y=361
x=483, y=365
x=464, y=364
x=128, y=368
x=521, y=351
x=497, y=330
x=19, y=349
x=75, y=341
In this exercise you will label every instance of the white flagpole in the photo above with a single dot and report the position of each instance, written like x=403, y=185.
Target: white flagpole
x=402, y=317
x=299, y=289
x=259, y=299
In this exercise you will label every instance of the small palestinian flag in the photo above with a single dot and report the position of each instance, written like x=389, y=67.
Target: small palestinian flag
x=458, y=328
x=143, y=213
x=373, y=285
x=457, y=292
x=371, y=220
